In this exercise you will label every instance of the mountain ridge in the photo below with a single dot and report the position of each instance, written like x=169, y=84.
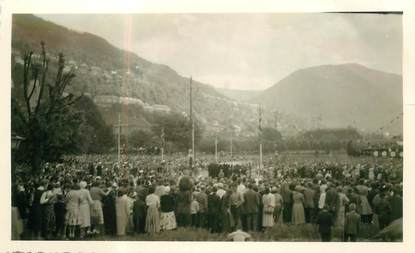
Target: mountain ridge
x=318, y=96
x=338, y=95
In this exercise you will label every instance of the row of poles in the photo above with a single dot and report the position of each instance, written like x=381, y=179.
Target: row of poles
x=192, y=151
x=192, y=158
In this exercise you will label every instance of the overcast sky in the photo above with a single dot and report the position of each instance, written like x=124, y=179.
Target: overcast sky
x=249, y=51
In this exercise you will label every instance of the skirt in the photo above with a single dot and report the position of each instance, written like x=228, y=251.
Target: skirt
x=168, y=221
x=48, y=221
x=97, y=216
x=84, y=215
x=298, y=216
x=268, y=218
x=72, y=217
x=152, y=220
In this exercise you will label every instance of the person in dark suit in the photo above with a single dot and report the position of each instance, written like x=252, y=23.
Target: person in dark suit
x=183, y=201
x=396, y=203
x=202, y=198
x=351, y=224
x=332, y=199
x=214, y=204
x=287, y=196
x=383, y=209
x=325, y=222
x=139, y=215
x=309, y=203
x=109, y=212
x=251, y=203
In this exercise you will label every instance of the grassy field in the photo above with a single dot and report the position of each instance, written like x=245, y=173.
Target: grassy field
x=289, y=233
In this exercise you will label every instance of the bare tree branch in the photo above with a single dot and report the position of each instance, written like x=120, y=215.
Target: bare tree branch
x=26, y=80
x=36, y=73
x=45, y=65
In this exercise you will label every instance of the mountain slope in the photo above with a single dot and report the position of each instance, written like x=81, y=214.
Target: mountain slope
x=339, y=96
x=104, y=70
x=322, y=96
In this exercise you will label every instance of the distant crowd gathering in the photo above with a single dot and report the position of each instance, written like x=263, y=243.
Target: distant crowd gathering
x=87, y=198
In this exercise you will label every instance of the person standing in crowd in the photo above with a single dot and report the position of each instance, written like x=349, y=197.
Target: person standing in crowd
x=85, y=212
x=194, y=211
x=286, y=194
x=226, y=221
x=73, y=202
x=351, y=224
x=122, y=208
x=97, y=215
x=139, y=214
x=236, y=200
x=35, y=215
x=141, y=189
x=213, y=210
x=260, y=192
x=364, y=208
x=316, y=187
x=167, y=206
x=332, y=199
x=202, y=198
x=109, y=211
x=60, y=211
x=342, y=202
x=322, y=197
x=153, y=214
x=47, y=201
x=183, y=201
x=371, y=175
x=309, y=203
x=382, y=209
x=17, y=227
x=325, y=222
x=21, y=201
x=251, y=202
x=268, y=201
x=395, y=200
x=279, y=202
x=298, y=207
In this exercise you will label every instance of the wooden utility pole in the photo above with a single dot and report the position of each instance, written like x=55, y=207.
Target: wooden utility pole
x=216, y=147
x=193, y=125
x=231, y=137
x=119, y=140
x=260, y=137
x=162, y=143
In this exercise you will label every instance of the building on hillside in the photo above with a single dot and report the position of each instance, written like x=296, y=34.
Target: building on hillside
x=108, y=100
x=157, y=108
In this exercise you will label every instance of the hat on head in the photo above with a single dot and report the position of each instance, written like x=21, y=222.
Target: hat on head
x=82, y=184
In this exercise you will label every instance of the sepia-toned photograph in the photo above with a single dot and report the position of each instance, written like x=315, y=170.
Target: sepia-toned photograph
x=269, y=127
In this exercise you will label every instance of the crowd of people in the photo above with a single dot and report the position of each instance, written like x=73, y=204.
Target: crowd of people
x=87, y=197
